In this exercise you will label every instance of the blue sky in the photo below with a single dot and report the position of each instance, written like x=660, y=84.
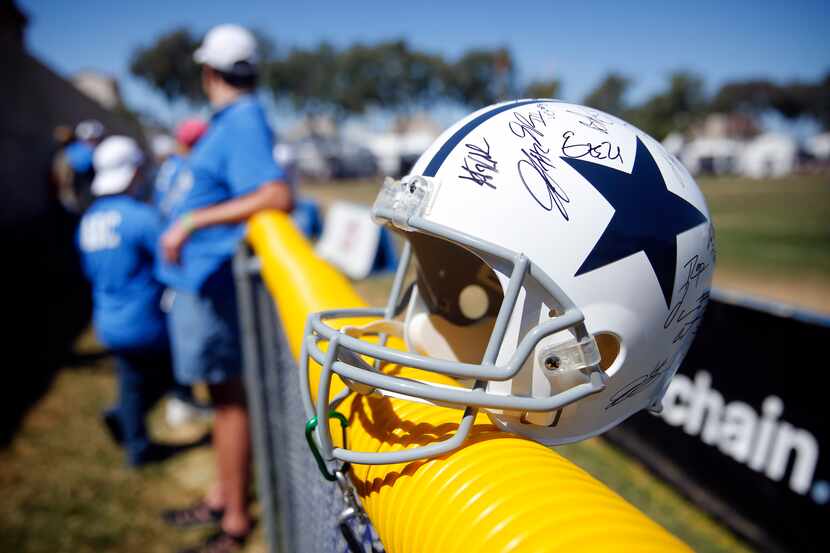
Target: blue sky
x=577, y=42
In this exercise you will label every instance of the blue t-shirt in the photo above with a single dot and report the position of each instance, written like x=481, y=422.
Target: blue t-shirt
x=118, y=240
x=233, y=158
x=171, y=185
x=79, y=155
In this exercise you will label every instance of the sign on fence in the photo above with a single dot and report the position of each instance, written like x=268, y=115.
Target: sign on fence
x=354, y=243
x=745, y=422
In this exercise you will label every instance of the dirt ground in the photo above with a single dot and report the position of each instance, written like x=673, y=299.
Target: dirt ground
x=810, y=292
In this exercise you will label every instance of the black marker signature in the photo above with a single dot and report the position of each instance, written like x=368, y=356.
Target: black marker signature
x=526, y=125
x=603, y=150
x=690, y=320
x=688, y=317
x=547, y=110
x=637, y=385
x=533, y=169
x=593, y=121
x=483, y=167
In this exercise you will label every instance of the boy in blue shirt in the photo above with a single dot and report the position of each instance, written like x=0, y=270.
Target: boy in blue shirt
x=234, y=176
x=118, y=238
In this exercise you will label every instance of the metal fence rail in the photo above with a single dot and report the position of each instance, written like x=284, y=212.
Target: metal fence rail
x=499, y=493
x=300, y=509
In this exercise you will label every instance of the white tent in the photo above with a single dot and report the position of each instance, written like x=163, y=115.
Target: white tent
x=393, y=149
x=819, y=146
x=711, y=155
x=768, y=155
x=674, y=143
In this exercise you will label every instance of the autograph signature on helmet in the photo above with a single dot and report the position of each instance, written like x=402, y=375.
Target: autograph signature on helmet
x=637, y=385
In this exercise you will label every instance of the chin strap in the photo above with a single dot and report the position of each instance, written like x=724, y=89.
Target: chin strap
x=380, y=327
x=390, y=327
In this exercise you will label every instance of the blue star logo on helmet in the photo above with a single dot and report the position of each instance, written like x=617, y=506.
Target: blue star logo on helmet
x=647, y=217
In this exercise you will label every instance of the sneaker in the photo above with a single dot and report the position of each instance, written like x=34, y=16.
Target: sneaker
x=198, y=514
x=220, y=542
x=178, y=412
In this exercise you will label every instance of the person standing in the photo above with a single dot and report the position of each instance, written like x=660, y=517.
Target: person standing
x=118, y=240
x=234, y=176
x=170, y=186
x=79, y=154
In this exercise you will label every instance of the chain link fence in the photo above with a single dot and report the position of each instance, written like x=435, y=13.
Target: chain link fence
x=300, y=509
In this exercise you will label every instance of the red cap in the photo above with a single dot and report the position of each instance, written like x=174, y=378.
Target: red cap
x=190, y=131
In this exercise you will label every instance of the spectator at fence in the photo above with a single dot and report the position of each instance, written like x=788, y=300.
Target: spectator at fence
x=170, y=186
x=234, y=175
x=79, y=155
x=118, y=238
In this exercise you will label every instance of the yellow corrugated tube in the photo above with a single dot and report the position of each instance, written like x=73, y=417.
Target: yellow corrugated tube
x=498, y=493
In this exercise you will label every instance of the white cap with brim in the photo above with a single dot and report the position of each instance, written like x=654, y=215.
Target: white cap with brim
x=227, y=47
x=116, y=161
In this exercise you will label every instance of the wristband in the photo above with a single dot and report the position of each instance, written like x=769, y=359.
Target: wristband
x=187, y=222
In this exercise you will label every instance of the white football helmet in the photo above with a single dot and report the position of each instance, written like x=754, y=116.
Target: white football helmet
x=563, y=262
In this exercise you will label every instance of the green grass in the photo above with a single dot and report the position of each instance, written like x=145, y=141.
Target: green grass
x=773, y=227
x=64, y=485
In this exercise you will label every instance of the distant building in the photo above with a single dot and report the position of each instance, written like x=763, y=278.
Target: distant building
x=723, y=144
x=100, y=87
x=320, y=149
x=736, y=126
x=768, y=155
x=674, y=144
x=715, y=156
x=818, y=146
x=398, y=149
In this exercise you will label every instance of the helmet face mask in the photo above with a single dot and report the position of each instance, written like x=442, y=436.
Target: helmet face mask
x=498, y=300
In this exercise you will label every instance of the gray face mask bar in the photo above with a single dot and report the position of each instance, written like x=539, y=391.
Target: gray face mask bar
x=402, y=203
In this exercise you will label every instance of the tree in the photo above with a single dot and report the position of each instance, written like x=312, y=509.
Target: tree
x=167, y=65
x=480, y=77
x=672, y=110
x=609, y=95
x=306, y=77
x=389, y=75
x=790, y=100
x=543, y=89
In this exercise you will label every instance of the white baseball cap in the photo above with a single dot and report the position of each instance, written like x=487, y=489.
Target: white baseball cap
x=116, y=160
x=225, y=46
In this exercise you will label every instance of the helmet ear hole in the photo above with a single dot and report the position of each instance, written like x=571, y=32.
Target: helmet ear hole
x=609, y=349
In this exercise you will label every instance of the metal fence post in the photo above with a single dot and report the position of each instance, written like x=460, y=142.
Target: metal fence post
x=253, y=367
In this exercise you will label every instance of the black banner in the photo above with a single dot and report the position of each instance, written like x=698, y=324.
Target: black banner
x=745, y=421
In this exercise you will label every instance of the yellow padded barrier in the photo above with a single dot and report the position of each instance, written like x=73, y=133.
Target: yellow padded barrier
x=499, y=493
